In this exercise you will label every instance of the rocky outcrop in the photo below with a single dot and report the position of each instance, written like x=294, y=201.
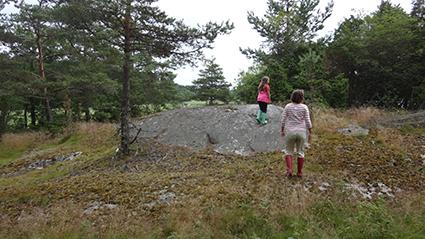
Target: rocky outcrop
x=226, y=129
x=416, y=119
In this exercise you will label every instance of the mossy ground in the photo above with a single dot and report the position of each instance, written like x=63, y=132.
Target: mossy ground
x=216, y=196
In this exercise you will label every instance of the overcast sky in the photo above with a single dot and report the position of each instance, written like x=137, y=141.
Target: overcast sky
x=226, y=48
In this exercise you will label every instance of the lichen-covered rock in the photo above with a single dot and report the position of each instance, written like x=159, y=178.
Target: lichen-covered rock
x=228, y=129
x=354, y=130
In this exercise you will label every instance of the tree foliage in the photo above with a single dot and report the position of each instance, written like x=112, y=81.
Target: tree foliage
x=137, y=28
x=376, y=59
x=289, y=28
x=379, y=55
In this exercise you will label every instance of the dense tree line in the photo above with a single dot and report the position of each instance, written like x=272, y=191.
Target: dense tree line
x=377, y=59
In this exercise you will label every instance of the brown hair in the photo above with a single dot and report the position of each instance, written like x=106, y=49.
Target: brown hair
x=263, y=82
x=297, y=96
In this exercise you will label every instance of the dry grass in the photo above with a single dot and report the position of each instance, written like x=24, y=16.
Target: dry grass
x=364, y=115
x=13, y=146
x=23, y=140
x=95, y=134
x=329, y=120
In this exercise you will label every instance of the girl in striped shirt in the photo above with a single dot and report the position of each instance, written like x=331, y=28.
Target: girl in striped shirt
x=295, y=130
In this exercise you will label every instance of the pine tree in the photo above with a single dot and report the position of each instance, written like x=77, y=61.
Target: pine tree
x=137, y=27
x=211, y=84
x=27, y=34
x=288, y=28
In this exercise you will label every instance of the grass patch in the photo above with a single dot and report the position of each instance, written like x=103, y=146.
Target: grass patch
x=13, y=146
x=409, y=129
x=8, y=154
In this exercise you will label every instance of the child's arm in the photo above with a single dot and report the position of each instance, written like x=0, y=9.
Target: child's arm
x=268, y=91
x=309, y=135
x=282, y=128
x=308, y=124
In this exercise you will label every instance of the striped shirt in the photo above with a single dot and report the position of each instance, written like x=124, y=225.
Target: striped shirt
x=296, y=117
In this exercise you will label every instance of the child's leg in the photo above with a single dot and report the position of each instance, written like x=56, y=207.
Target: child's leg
x=289, y=144
x=288, y=160
x=300, y=152
x=259, y=114
x=300, y=164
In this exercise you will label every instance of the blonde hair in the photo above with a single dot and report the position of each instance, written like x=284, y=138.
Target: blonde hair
x=263, y=82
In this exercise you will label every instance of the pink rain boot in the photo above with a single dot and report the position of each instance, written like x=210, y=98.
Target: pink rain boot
x=300, y=163
x=288, y=160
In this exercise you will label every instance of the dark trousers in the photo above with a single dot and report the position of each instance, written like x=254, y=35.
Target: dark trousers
x=263, y=106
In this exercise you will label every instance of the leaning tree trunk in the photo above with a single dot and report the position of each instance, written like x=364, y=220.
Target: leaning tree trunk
x=125, y=101
x=42, y=74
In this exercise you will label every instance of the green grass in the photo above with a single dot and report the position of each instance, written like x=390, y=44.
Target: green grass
x=8, y=154
x=408, y=129
x=325, y=219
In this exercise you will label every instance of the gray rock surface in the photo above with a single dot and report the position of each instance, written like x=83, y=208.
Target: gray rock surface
x=416, y=119
x=354, y=130
x=228, y=129
x=47, y=162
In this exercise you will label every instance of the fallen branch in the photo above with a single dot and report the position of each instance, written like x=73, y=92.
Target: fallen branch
x=137, y=135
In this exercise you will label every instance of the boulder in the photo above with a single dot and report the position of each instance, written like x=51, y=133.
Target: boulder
x=354, y=130
x=227, y=129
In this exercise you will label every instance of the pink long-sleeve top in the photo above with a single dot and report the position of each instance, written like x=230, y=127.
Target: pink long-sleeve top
x=296, y=117
x=263, y=96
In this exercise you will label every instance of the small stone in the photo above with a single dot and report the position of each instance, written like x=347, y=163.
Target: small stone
x=92, y=207
x=324, y=186
x=167, y=197
x=354, y=130
x=110, y=206
x=150, y=205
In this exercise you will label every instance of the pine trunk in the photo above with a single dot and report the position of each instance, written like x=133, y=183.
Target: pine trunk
x=42, y=74
x=68, y=109
x=125, y=101
x=25, y=116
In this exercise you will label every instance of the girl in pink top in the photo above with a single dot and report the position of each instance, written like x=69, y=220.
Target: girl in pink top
x=263, y=99
x=296, y=127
